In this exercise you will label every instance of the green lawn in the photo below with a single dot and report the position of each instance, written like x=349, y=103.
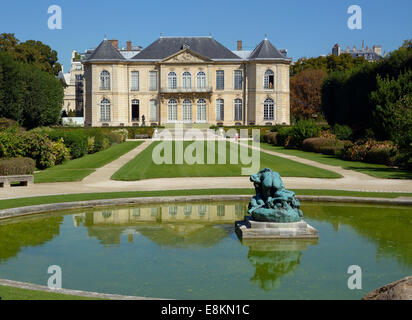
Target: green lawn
x=31, y=201
x=77, y=169
x=143, y=167
x=11, y=293
x=375, y=170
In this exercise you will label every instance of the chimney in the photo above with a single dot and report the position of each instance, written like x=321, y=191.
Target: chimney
x=239, y=45
x=115, y=43
x=129, y=45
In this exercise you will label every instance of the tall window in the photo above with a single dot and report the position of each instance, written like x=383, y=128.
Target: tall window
x=172, y=110
x=238, y=79
x=105, y=80
x=187, y=110
x=152, y=80
x=220, y=110
x=268, y=110
x=105, y=110
x=135, y=80
x=172, y=80
x=187, y=80
x=135, y=110
x=201, y=111
x=238, y=109
x=220, y=80
x=153, y=110
x=201, y=80
x=269, y=80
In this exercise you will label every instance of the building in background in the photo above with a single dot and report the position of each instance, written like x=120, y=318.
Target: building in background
x=186, y=80
x=370, y=54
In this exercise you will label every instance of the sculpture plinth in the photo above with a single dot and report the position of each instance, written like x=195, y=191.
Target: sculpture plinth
x=274, y=212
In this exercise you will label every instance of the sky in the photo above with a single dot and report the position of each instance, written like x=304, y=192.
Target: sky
x=306, y=28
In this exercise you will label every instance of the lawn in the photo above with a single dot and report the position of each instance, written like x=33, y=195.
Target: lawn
x=77, y=169
x=143, y=167
x=31, y=201
x=374, y=170
x=11, y=293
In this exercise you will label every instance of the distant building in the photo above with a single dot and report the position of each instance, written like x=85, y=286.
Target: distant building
x=370, y=54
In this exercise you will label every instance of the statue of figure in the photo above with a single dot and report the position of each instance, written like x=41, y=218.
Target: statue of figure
x=143, y=121
x=273, y=203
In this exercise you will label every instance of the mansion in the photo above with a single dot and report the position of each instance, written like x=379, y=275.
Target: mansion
x=193, y=80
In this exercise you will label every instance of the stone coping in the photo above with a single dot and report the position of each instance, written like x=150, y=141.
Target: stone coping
x=21, y=211
x=86, y=294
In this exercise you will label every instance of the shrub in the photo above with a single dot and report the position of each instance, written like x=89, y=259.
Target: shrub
x=303, y=129
x=40, y=148
x=270, y=137
x=74, y=139
x=323, y=145
x=380, y=152
x=60, y=151
x=16, y=166
x=342, y=132
x=283, y=136
x=90, y=144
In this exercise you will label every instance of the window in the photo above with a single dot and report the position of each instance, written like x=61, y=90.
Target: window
x=172, y=80
x=268, y=110
x=238, y=79
x=152, y=80
x=187, y=80
x=187, y=110
x=220, y=210
x=105, y=80
x=201, y=111
x=220, y=110
x=172, y=110
x=269, y=81
x=238, y=109
x=220, y=80
x=201, y=210
x=201, y=80
x=135, y=80
x=172, y=210
x=153, y=110
x=135, y=110
x=105, y=110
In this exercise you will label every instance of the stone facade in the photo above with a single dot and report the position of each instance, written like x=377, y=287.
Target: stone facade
x=182, y=99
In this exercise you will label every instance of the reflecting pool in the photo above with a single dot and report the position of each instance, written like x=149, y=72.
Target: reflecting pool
x=190, y=251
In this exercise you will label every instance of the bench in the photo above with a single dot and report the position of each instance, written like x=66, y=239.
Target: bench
x=16, y=181
x=142, y=136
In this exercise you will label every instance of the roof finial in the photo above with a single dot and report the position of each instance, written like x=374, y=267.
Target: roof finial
x=266, y=36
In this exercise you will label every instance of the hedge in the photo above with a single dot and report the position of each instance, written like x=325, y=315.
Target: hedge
x=323, y=145
x=16, y=166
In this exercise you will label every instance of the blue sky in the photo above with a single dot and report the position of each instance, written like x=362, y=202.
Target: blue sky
x=305, y=28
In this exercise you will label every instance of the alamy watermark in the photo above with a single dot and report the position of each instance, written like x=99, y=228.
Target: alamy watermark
x=355, y=20
x=55, y=280
x=204, y=145
x=55, y=20
x=355, y=280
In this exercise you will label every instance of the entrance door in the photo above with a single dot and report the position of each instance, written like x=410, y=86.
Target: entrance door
x=135, y=110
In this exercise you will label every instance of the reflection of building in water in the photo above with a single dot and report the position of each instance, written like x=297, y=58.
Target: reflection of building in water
x=171, y=224
x=273, y=259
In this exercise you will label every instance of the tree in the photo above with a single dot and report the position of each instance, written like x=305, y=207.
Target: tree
x=305, y=93
x=31, y=51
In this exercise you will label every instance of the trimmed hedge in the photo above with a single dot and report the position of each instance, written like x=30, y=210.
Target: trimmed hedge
x=324, y=145
x=270, y=137
x=379, y=152
x=16, y=166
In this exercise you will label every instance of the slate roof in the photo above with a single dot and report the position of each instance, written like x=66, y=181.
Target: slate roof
x=204, y=46
x=105, y=51
x=266, y=50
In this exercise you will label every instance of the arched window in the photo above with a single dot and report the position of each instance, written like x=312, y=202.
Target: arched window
x=269, y=81
x=201, y=80
x=220, y=110
x=172, y=80
x=187, y=110
x=172, y=110
x=268, y=110
x=187, y=80
x=153, y=110
x=105, y=80
x=105, y=110
x=238, y=109
x=135, y=110
x=201, y=111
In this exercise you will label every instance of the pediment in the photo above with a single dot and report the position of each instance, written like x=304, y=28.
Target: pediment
x=185, y=56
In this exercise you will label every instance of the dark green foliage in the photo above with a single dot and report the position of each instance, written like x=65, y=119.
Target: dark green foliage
x=283, y=136
x=16, y=166
x=27, y=94
x=342, y=132
x=303, y=129
x=270, y=137
x=379, y=152
x=75, y=140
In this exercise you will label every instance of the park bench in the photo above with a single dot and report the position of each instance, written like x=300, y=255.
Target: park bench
x=16, y=181
x=142, y=136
